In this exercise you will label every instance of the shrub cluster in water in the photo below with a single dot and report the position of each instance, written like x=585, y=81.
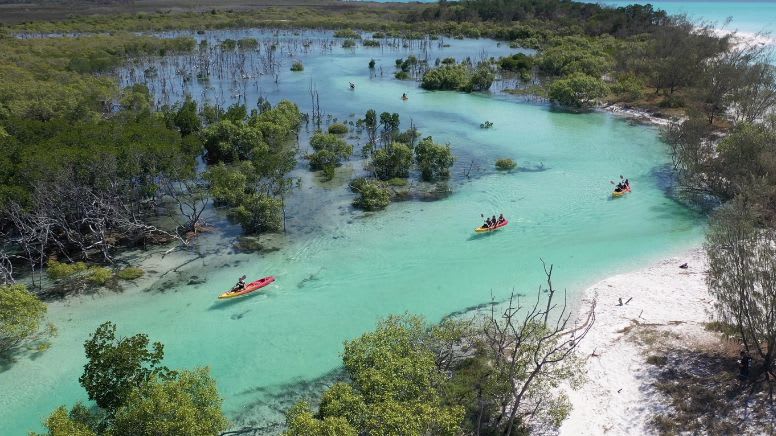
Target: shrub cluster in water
x=459, y=77
x=297, y=66
x=505, y=164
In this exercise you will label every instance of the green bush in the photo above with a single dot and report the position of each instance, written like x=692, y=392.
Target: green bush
x=372, y=195
x=130, y=273
x=21, y=316
x=338, y=129
x=59, y=270
x=99, y=275
x=328, y=172
x=371, y=43
x=297, y=66
x=348, y=43
x=434, y=160
x=505, y=164
x=446, y=77
x=347, y=33
x=402, y=75
x=247, y=43
x=259, y=213
x=378, y=35
x=458, y=77
x=392, y=161
x=371, y=64
x=577, y=90
x=517, y=63
x=628, y=88
x=329, y=150
x=228, y=44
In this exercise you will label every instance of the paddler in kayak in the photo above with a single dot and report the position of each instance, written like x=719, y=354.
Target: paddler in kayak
x=501, y=219
x=239, y=286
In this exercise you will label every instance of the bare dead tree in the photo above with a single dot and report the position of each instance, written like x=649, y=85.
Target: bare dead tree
x=532, y=349
x=192, y=198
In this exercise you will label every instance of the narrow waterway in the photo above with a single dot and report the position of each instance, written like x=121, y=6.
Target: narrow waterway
x=339, y=270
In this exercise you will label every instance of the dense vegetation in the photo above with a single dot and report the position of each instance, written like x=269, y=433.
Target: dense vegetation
x=88, y=168
x=497, y=374
x=136, y=395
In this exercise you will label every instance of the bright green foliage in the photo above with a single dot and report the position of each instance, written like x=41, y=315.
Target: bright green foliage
x=434, y=160
x=338, y=129
x=277, y=124
x=259, y=213
x=21, y=316
x=297, y=66
x=372, y=195
x=570, y=55
x=62, y=423
x=188, y=404
x=481, y=80
x=59, y=270
x=371, y=43
x=236, y=187
x=302, y=422
x=395, y=385
x=447, y=77
x=228, y=184
x=227, y=141
x=458, y=77
x=348, y=43
x=577, y=90
x=130, y=273
x=505, y=164
x=116, y=366
x=392, y=161
x=330, y=150
x=99, y=275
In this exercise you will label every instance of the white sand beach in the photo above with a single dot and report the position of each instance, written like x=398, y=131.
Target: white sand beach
x=617, y=398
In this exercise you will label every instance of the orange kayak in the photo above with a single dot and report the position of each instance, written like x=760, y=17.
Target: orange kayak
x=250, y=287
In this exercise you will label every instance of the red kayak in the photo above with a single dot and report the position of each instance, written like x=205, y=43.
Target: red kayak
x=250, y=287
x=490, y=229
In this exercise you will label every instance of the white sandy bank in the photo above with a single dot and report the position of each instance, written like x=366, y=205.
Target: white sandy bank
x=617, y=398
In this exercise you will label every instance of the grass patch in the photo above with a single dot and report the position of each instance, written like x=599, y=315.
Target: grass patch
x=130, y=273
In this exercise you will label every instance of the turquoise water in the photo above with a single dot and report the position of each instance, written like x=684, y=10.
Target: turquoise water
x=340, y=270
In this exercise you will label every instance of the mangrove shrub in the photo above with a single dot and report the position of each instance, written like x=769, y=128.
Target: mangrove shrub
x=578, y=91
x=433, y=160
x=394, y=160
x=21, y=319
x=372, y=194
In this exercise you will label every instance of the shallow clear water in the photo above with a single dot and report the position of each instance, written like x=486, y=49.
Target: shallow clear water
x=340, y=270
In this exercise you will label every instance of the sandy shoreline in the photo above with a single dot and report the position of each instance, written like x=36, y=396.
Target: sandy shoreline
x=617, y=398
